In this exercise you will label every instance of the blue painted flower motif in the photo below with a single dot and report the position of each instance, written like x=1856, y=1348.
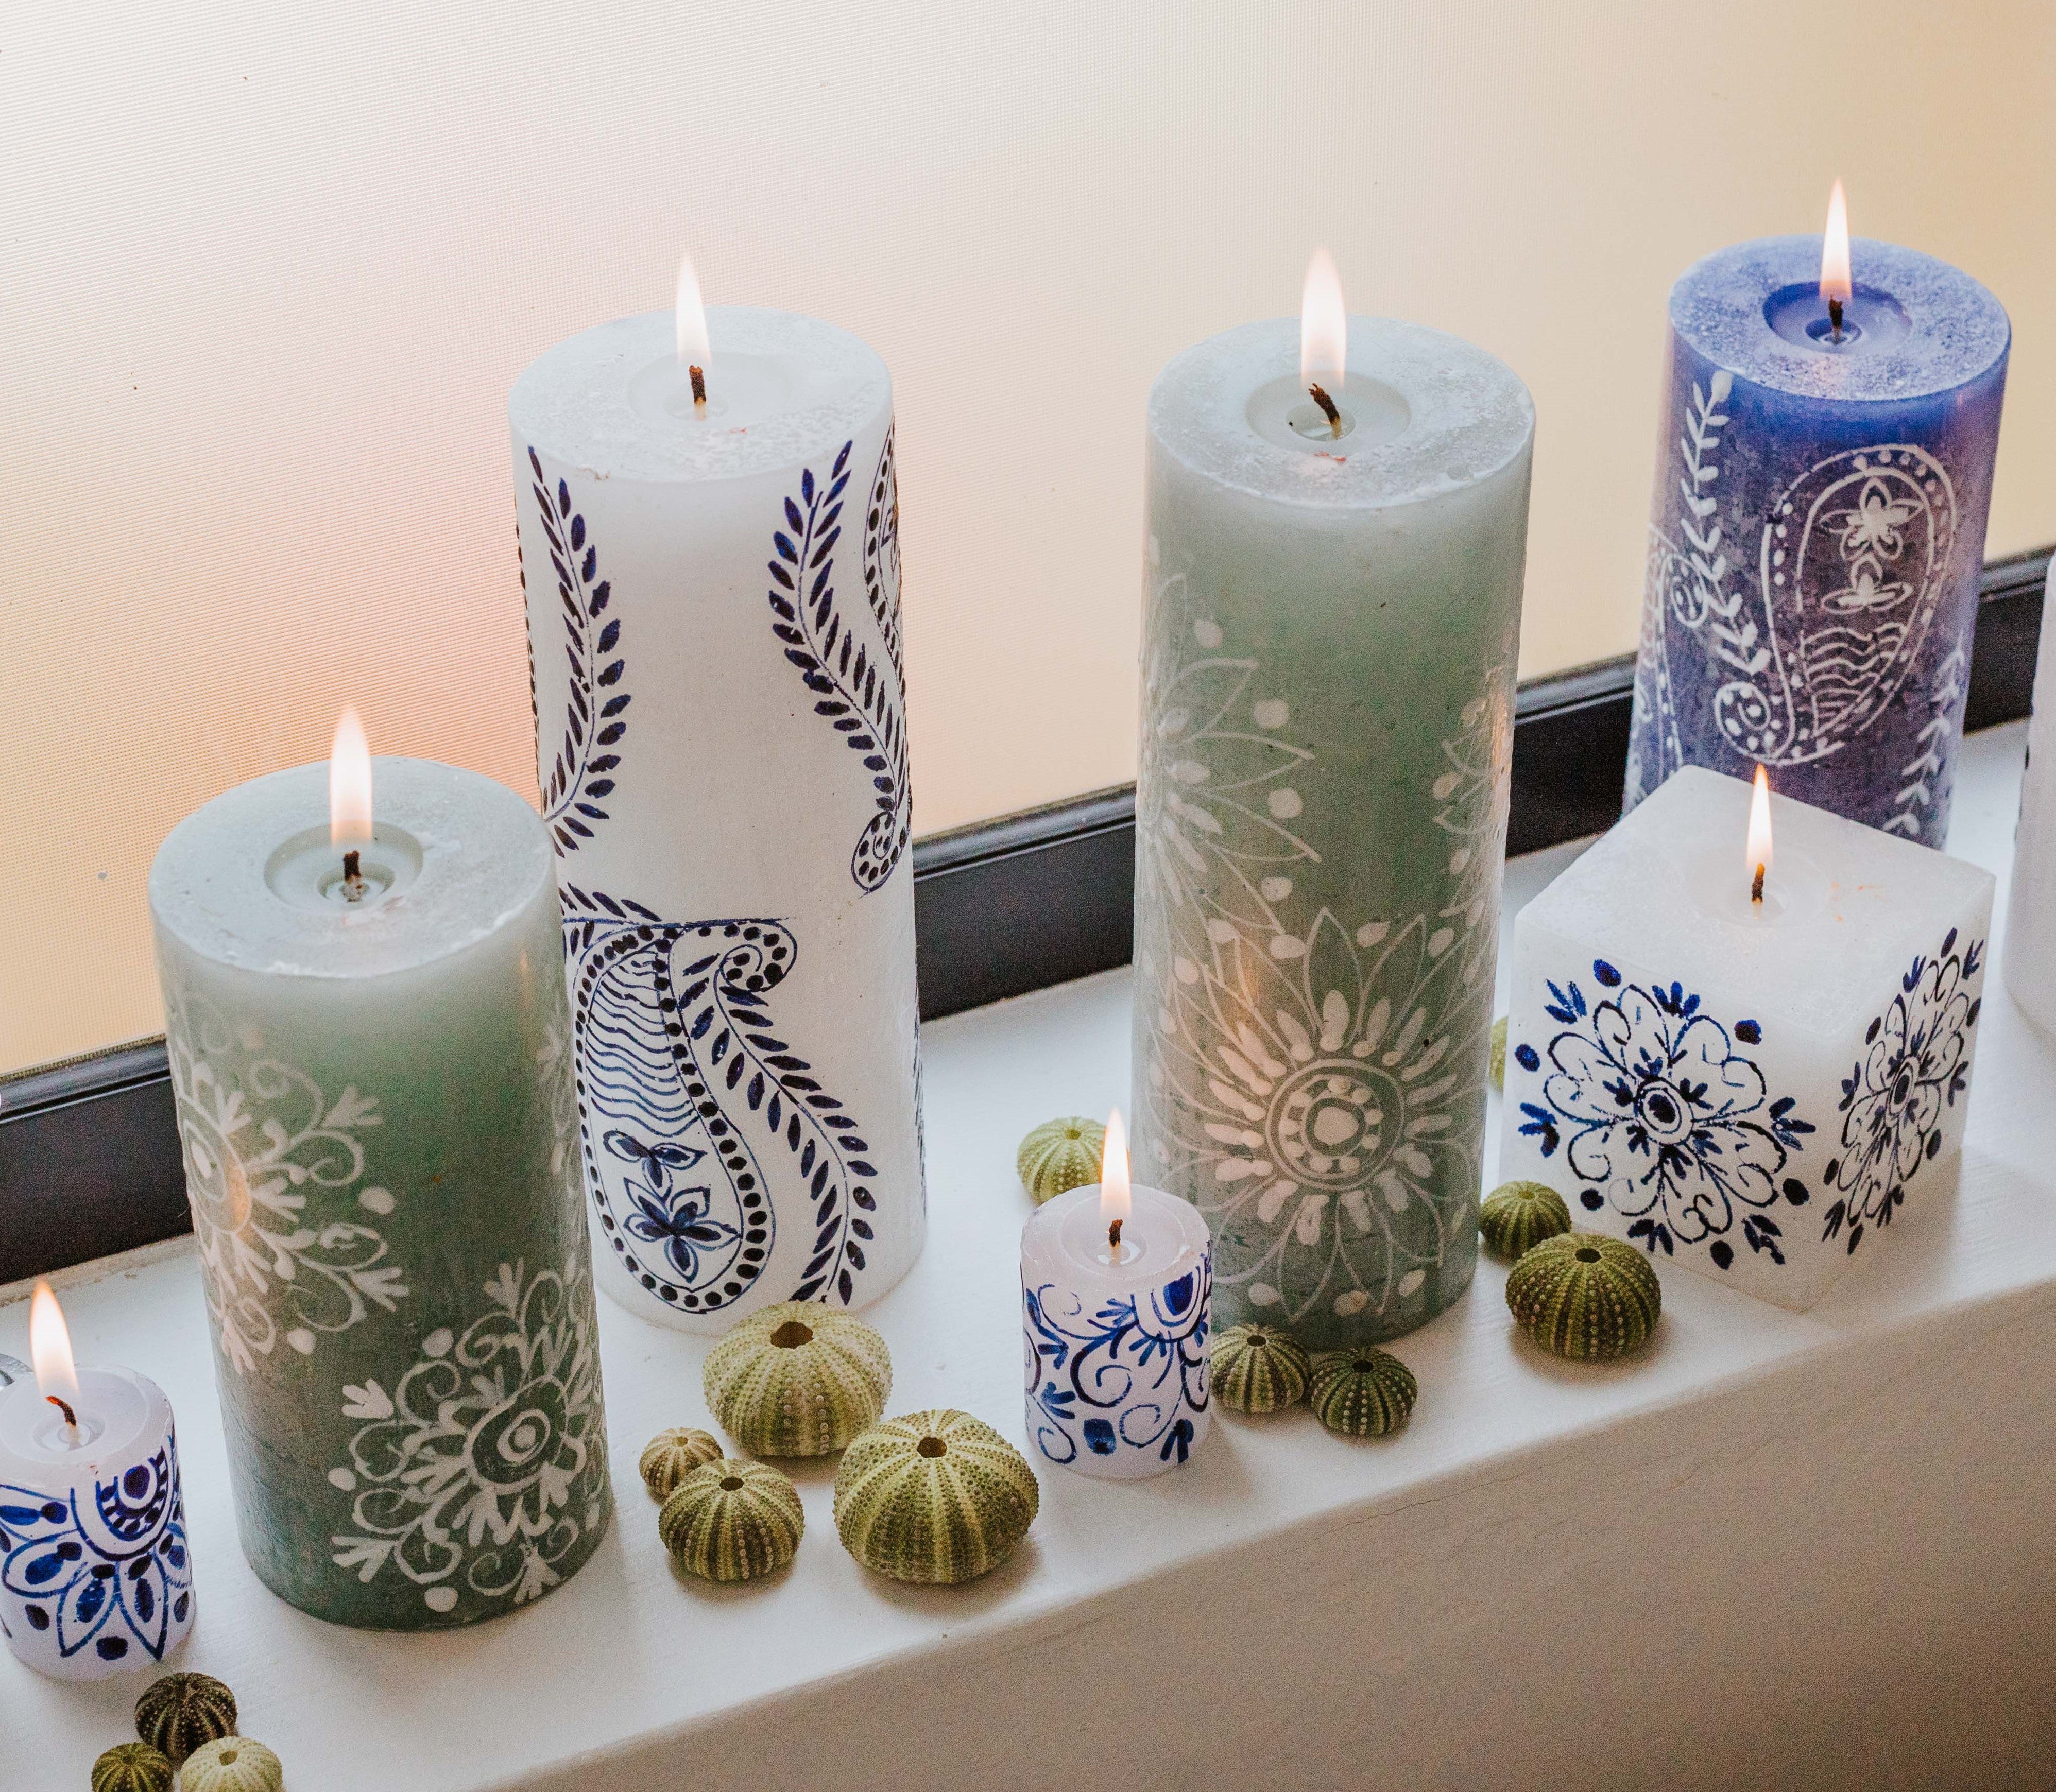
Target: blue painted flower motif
x=1894, y=1098
x=108, y=1572
x=679, y=1219
x=1664, y=1117
x=1135, y=1368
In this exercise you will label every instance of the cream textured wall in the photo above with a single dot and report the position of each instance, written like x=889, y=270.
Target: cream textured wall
x=269, y=270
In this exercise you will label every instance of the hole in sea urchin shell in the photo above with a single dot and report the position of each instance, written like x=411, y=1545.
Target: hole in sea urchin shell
x=793, y=1334
x=1587, y=1255
x=930, y=1447
x=731, y=1483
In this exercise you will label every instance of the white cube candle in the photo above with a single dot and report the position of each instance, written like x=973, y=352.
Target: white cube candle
x=1749, y=1090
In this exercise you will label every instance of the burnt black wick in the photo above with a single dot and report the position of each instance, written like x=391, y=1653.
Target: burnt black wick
x=1327, y=409
x=353, y=886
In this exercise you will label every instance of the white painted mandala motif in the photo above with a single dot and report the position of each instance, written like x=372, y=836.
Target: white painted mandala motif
x=1305, y=1069
x=273, y=1164
x=483, y=1468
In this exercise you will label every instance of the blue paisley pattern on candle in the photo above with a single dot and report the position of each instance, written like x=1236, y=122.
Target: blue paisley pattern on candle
x=1308, y=1083
x=273, y=1165
x=1916, y=1063
x=106, y=1570
x=1660, y=1115
x=1854, y=563
x=1128, y=1375
x=485, y=1465
x=858, y=684
x=700, y=1123
x=579, y=778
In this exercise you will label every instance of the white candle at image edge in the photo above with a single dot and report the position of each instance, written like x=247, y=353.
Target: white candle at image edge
x=1115, y=1305
x=94, y=1577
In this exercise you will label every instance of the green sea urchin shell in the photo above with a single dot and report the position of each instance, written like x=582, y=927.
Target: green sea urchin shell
x=1518, y=1216
x=936, y=1497
x=1258, y=1368
x=134, y=1767
x=798, y=1380
x=669, y=1457
x=232, y=1764
x=1499, y=1054
x=1583, y=1295
x=733, y=1521
x=1060, y=1155
x=178, y=1713
x=1361, y=1392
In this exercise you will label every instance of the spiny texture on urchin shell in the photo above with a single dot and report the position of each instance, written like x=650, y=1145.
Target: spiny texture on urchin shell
x=798, y=1380
x=1361, y=1392
x=134, y=1767
x=231, y=1764
x=178, y=1713
x=1258, y=1368
x=669, y=1457
x=1499, y=1054
x=1060, y=1155
x=1518, y=1216
x=731, y=1521
x=936, y=1496
x=1583, y=1295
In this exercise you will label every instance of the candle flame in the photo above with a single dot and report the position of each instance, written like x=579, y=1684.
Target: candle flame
x=1835, y=250
x=1758, y=856
x=350, y=783
x=1323, y=325
x=1115, y=1201
x=694, y=349
x=49, y=1347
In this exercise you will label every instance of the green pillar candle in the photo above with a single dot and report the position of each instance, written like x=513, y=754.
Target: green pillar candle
x=380, y=1130
x=1328, y=666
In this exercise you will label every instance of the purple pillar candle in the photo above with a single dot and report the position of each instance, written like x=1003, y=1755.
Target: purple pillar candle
x=1818, y=527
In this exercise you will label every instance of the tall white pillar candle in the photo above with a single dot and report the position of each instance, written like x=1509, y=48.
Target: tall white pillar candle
x=94, y=1576
x=2028, y=960
x=713, y=610
x=1115, y=1328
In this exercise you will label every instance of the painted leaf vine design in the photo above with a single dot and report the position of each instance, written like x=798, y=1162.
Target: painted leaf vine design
x=700, y=1099
x=579, y=778
x=857, y=686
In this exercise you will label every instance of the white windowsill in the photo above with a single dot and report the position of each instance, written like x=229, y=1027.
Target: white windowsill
x=1778, y=1547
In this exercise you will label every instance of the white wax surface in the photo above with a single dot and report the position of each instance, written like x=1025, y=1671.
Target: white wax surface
x=122, y=1417
x=483, y=862
x=1220, y=409
x=1064, y=1241
x=2029, y=966
x=781, y=389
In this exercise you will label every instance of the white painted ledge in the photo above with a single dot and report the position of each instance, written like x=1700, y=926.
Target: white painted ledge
x=1778, y=1549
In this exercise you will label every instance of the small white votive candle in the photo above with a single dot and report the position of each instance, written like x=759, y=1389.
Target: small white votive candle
x=94, y=1577
x=1748, y=1088
x=1116, y=1286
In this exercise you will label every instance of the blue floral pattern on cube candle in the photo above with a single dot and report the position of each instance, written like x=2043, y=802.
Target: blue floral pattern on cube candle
x=1128, y=1375
x=1664, y=1117
x=105, y=1569
x=1894, y=1100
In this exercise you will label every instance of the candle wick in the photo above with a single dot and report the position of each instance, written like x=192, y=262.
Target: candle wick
x=70, y=1418
x=699, y=390
x=1327, y=409
x=353, y=886
x=1113, y=1240
x=1756, y=888
x=1835, y=319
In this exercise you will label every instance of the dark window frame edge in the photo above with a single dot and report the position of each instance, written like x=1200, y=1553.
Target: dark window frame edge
x=89, y=1157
